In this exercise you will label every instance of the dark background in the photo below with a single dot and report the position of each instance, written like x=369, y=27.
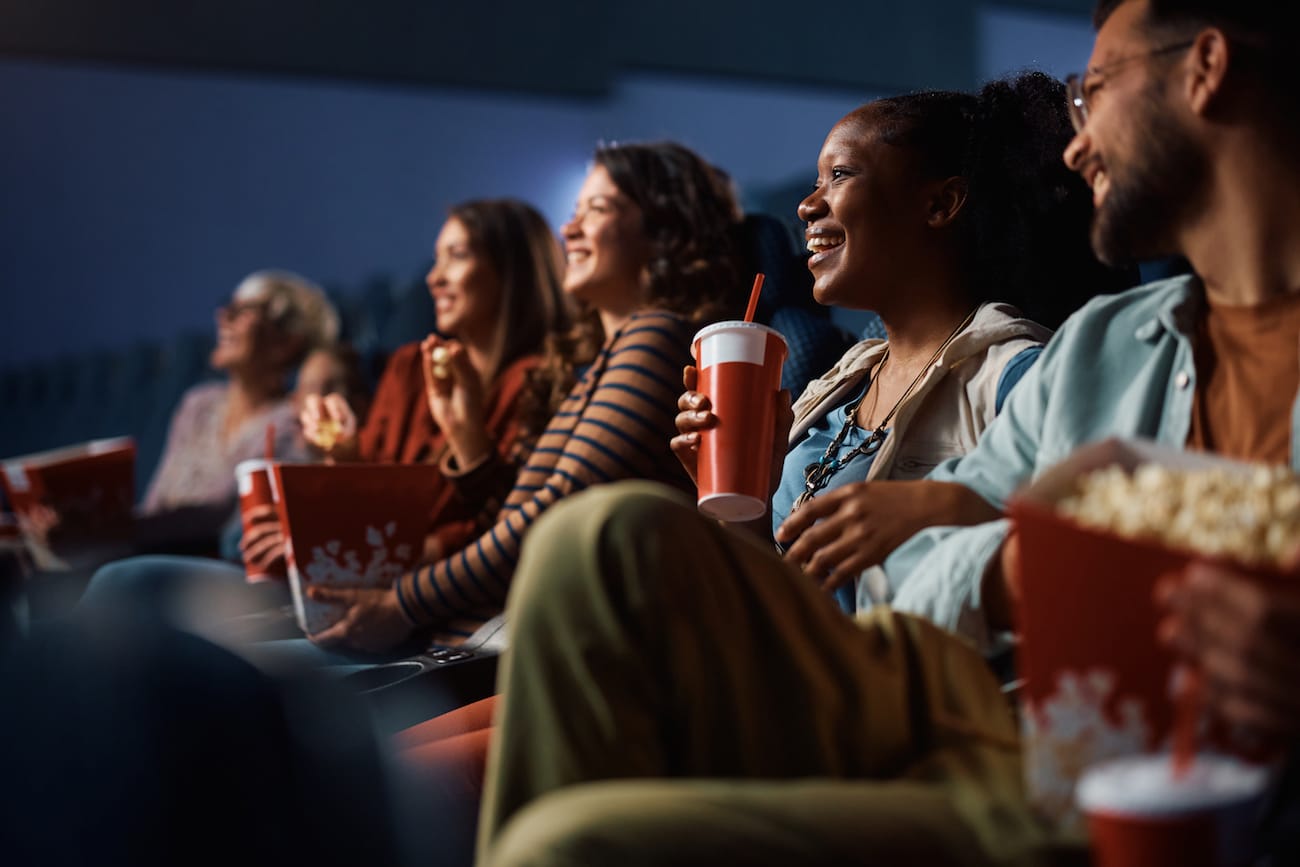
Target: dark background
x=154, y=152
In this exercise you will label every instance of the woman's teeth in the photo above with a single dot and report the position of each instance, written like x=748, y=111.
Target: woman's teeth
x=821, y=244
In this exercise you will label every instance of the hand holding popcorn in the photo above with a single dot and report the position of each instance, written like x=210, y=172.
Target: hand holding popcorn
x=329, y=424
x=454, y=391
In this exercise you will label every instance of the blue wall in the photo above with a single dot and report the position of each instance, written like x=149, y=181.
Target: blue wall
x=135, y=199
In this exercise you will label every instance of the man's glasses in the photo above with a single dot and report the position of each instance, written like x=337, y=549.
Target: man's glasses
x=1077, y=94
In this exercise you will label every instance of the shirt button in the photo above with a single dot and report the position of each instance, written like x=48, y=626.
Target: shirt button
x=1182, y=379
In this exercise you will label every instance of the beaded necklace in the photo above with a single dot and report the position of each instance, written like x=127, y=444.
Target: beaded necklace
x=818, y=474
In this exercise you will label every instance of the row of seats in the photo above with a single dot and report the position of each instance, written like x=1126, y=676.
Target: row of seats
x=133, y=391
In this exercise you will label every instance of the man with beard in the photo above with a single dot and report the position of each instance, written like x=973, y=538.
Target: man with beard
x=1186, y=131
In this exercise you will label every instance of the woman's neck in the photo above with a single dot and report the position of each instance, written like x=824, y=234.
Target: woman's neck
x=916, y=333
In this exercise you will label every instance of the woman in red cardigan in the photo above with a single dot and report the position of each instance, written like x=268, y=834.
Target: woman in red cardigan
x=497, y=295
x=453, y=399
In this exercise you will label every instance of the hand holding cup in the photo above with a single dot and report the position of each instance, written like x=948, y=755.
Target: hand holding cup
x=740, y=371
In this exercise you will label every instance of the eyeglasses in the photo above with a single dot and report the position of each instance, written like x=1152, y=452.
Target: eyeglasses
x=1076, y=94
x=234, y=309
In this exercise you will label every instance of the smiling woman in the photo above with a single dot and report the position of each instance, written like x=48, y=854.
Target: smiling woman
x=650, y=258
x=947, y=214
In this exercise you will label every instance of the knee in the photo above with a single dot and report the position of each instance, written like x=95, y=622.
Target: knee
x=120, y=580
x=590, y=824
x=587, y=543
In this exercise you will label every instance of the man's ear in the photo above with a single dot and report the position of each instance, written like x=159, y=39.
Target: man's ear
x=1207, y=67
x=946, y=201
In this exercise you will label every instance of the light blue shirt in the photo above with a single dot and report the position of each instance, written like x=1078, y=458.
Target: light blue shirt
x=1122, y=366
x=822, y=433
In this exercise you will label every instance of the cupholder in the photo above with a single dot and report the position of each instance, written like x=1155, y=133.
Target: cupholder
x=381, y=676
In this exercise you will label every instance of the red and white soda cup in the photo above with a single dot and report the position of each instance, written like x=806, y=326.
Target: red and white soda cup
x=740, y=372
x=1140, y=814
x=256, y=489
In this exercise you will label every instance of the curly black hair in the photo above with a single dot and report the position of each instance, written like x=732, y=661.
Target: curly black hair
x=1026, y=219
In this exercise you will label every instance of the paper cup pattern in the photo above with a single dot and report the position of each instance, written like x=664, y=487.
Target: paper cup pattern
x=350, y=526
x=1097, y=683
x=740, y=371
x=91, y=484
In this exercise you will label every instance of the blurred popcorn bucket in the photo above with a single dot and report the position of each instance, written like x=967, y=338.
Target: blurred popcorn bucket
x=1097, y=684
x=350, y=525
x=90, y=485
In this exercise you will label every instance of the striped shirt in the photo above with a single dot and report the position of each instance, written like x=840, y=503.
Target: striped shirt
x=615, y=424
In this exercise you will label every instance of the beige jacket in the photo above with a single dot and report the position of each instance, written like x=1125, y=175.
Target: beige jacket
x=945, y=414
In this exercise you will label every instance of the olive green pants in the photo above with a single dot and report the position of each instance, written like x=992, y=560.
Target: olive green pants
x=676, y=695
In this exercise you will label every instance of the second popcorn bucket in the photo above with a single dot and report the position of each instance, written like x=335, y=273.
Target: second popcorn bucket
x=740, y=372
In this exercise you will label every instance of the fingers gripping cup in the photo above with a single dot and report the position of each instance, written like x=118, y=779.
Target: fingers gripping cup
x=1141, y=815
x=254, y=478
x=740, y=371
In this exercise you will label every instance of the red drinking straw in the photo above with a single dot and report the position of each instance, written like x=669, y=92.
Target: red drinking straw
x=1188, y=687
x=753, y=298
x=270, y=441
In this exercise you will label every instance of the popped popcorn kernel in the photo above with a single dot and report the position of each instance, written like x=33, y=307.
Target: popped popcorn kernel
x=1251, y=517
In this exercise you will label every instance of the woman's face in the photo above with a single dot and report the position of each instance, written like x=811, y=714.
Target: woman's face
x=865, y=216
x=464, y=284
x=245, y=333
x=604, y=245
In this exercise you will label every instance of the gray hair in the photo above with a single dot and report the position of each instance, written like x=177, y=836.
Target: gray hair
x=295, y=304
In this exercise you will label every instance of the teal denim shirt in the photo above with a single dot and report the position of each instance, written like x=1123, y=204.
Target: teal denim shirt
x=1120, y=367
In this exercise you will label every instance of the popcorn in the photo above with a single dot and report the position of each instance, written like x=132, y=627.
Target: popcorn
x=327, y=433
x=1251, y=517
x=439, y=358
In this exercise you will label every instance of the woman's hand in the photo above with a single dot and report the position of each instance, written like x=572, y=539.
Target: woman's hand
x=1243, y=634
x=262, y=545
x=455, y=396
x=837, y=534
x=373, y=623
x=329, y=424
x=695, y=414
x=39, y=522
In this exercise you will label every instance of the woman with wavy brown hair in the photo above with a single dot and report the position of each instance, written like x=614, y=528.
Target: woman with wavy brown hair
x=650, y=257
x=496, y=291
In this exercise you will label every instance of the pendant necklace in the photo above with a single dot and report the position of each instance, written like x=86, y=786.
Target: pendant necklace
x=818, y=474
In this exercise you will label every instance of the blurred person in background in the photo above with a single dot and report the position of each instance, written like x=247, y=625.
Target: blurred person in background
x=272, y=322
x=496, y=288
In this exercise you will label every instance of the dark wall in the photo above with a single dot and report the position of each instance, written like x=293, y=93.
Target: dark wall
x=572, y=47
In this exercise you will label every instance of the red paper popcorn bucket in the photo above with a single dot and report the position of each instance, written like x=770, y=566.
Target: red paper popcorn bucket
x=350, y=525
x=1097, y=681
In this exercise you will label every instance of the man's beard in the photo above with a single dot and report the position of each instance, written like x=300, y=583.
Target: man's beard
x=1163, y=181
